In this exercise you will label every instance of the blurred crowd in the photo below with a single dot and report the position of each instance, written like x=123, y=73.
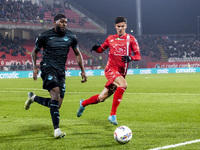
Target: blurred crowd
x=12, y=47
x=26, y=12
x=180, y=46
x=16, y=10
x=149, y=46
x=185, y=45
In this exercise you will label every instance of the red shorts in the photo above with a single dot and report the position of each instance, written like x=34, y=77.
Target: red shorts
x=111, y=75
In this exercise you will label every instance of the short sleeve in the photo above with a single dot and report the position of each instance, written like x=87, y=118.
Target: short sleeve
x=135, y=45
x=105, y=45
x=39, y=42
x=74, y=44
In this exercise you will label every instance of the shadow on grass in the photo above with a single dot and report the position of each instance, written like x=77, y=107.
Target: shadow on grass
x=105, y=146
x=28, y=132
x=103, y=124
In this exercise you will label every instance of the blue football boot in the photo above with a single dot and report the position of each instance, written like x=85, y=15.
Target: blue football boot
x=113, y=119
x=81, y=109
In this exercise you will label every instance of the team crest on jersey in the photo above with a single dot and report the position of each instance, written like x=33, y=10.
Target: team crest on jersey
x=50, y=77
x=65, y=39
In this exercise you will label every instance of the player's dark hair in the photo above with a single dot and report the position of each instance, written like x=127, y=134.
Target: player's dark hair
x=58, y=16
x=120, y=19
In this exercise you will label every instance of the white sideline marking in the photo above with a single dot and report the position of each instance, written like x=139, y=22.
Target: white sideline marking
x=36, y=89
x=24, y=88
x=164, y=93
x=176, y=145
x=18, y=91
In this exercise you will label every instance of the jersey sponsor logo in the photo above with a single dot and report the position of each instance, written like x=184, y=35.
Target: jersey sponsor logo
x=120, y=49
x=111, y=40
x=50, y=77
x=119, y=39
x=65, y=39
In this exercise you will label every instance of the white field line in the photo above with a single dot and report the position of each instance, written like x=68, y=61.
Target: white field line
x=35, y=89
x=23, y=89
x=176, y=145
x=164, y=77
x=18, y=91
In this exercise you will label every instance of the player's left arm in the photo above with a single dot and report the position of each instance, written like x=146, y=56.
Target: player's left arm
x=79, y=59
x=136, y=51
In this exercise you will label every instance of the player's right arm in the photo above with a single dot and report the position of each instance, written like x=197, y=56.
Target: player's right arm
x=100, y=49
x=97, y=48
x=34, y=58
x=38, y=45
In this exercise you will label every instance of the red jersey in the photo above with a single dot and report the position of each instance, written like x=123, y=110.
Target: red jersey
x=120, y=46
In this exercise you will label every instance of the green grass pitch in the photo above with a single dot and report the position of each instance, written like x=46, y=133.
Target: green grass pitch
x=160, y=109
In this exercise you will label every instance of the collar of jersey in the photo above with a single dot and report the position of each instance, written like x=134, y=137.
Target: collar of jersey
x=121, y=37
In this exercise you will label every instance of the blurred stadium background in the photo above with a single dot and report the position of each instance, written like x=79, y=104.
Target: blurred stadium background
x=22, y=20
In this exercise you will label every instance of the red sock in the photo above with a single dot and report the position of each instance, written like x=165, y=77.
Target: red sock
x=117, y=99
x=92, y=100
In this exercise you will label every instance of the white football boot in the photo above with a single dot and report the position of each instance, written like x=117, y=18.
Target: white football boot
x=58, y=133
x=30, y=100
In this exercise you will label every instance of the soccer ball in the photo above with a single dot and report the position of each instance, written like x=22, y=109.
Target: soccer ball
x=123, y=134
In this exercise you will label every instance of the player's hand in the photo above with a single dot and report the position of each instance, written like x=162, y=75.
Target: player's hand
x=35, y=73
x=94, y=48
x=84, y=77
x=126, y=59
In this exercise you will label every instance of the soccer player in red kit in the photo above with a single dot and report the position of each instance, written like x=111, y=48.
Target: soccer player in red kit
x=121, y=45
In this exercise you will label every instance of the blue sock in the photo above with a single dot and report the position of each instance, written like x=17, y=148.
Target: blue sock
x=42, y=101
x=55, y=115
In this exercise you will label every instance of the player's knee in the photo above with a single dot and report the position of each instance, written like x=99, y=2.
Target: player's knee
x=60, y=103
x=55, y=93
x=102, y=98
x=56, y=90
x=124, y=85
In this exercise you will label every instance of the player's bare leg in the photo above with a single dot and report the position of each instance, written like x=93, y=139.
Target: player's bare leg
x=93, y=100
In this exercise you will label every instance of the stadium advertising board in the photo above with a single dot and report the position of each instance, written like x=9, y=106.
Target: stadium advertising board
x=69, y=73
x=173, y=64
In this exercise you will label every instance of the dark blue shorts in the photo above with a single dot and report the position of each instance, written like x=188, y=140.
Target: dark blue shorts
x=53, y=78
